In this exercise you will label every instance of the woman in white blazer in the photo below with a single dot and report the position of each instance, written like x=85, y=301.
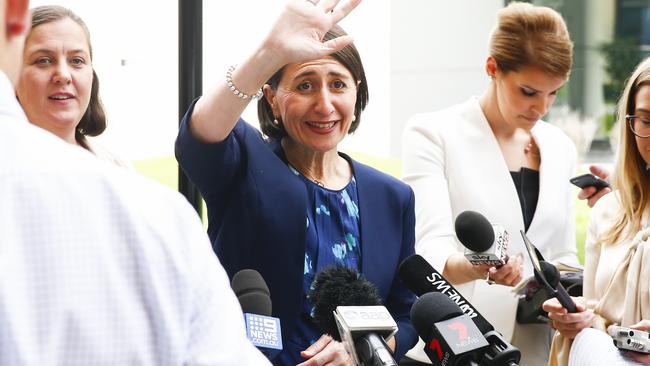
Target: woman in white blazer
x=493, y=155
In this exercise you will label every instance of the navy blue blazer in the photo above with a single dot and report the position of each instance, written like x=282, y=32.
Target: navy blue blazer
x=256, y=219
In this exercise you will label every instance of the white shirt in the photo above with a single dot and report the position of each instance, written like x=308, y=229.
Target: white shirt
x=101, y=267
x=453, y=162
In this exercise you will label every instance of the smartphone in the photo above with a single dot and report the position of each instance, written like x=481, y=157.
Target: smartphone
x=588, y=180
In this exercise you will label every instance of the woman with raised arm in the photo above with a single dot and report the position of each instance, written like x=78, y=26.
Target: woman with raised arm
x=286, y=202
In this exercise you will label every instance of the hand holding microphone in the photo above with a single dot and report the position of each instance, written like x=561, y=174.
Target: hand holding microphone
x=487, y=249
x=348, y=308
x=568, y=324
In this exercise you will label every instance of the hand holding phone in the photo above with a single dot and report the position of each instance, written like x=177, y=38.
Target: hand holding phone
x=589, y=180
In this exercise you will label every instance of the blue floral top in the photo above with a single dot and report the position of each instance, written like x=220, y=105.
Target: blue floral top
x=333, y=219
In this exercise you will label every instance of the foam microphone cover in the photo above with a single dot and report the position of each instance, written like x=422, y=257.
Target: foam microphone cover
x=252, y=292
x=474, y=231
x=431, y=308
x=551, y=273
x=339, y=286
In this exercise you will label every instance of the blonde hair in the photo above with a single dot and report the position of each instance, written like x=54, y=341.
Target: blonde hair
x=528, y=35
x=631, y=179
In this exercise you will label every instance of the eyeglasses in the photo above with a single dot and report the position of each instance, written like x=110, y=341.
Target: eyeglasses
x=640, y=126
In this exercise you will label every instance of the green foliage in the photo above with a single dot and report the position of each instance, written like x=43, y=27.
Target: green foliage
x=608, y=121
x=621, y=56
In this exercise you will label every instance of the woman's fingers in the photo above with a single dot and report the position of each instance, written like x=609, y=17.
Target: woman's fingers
x=642, y=325
x=594, y=198
x=342, y=10
x=586, y=192
x=317, y=346
x=332, y=354
x=599, y=171
x=568, y=324
x=509, y=274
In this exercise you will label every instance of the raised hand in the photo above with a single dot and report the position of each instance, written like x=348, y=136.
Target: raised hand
x=298, y=32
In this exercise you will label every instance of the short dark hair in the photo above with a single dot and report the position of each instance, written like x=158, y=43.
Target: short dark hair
x=348, y=57
x=93, y=122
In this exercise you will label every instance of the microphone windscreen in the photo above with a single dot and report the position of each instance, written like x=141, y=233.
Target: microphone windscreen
x=339, y=286
x=551, y=273
x=252, y=292
x=431, y=308
x=474, y=231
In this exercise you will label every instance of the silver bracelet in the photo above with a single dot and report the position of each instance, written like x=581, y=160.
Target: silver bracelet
x=236, y=91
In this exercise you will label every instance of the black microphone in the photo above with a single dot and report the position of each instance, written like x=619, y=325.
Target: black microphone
x=348, y=307
x=450, y=336
x=485, y=243
x=548, y=276
x=254, y=297
x=421, y=278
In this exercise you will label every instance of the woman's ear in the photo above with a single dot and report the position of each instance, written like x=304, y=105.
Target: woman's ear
x=491, y=67
x=269, y=94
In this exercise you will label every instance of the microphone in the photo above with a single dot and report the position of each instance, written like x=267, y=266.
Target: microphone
x=450, y=336
x=552, y=275
x=421, y=278
x=548, y=276
x=484, y=242
x=348, y=307
x=254, y=297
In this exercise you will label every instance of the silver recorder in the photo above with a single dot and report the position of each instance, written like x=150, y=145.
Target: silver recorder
x=630, y=339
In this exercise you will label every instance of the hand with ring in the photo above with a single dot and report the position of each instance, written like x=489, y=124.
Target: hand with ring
x=510, y=274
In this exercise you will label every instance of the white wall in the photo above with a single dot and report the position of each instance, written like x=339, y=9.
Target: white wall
x=419, y=55
x=140, y=96
x=438, y=55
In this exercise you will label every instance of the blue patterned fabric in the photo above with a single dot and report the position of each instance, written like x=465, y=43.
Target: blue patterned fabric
x=256, y=214
x=333, y=220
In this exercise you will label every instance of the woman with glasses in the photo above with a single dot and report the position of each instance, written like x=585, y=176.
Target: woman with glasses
x=617, y=251
x=492, y=154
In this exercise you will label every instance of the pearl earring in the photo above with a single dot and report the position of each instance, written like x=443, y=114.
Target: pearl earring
x=275, y=122
x=354, y=118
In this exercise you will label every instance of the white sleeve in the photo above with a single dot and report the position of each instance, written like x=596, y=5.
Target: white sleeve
x=424, y=170
x=564, y=250
x=217, y=330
